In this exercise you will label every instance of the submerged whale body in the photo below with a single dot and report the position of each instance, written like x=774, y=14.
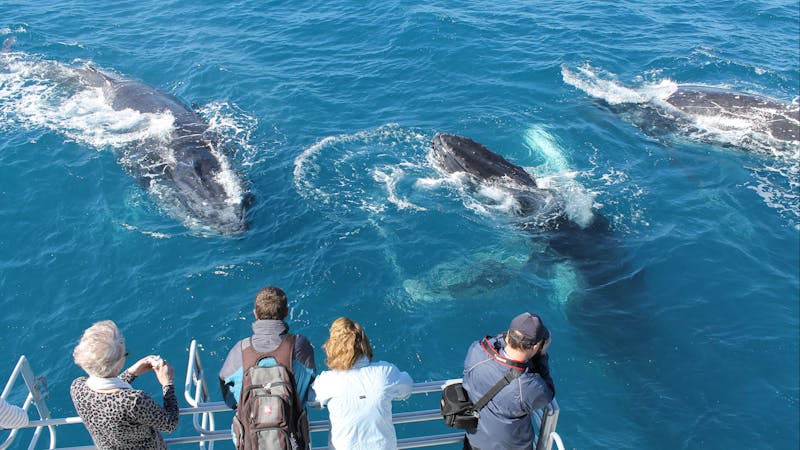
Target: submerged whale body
x=540, y=208
x=188, y=168
x=590, y=251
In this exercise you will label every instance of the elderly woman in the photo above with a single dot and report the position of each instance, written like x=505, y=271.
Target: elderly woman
x=357, y=391
x=116, y=415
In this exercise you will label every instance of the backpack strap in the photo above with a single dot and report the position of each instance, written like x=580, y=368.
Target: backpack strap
x=282, y=354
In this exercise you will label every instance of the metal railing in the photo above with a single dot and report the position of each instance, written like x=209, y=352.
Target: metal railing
x=202, y=410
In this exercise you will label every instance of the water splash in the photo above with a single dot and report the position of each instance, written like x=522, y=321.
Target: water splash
x=556, y=174
x=36, y=93
x=603, y=85
x=367, y=171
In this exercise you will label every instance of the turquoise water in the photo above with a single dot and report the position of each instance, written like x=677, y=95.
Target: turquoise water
x=678, y=329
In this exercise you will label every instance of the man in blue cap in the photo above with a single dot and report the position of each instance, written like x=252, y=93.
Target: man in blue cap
x=519, y=357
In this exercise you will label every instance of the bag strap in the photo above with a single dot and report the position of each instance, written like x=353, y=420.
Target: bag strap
x=510, y=376
x=495, y=355
x=517, y=368
x=282, y=354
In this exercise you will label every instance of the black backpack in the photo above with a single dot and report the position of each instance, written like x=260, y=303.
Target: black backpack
x=270, y=415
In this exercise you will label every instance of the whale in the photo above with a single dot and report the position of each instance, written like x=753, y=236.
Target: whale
x=592, y=274
x=538, y=207
x=719, y=116
x=189, y=168
x=780, y=121
x=709, y=114
x=172, y=151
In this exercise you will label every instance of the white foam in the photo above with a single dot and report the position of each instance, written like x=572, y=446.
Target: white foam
x=304, y=164
x=366, y=170
x=145, y=232
x=499, y=199
x=236, y=128
x=49, y=95
x=390, y=176
x=601, y=85
x=9, y=30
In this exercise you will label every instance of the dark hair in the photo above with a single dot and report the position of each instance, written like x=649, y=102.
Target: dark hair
x=271, y=303
x=518, y=341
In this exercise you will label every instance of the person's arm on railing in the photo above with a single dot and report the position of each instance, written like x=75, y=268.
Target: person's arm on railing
x=12, y=416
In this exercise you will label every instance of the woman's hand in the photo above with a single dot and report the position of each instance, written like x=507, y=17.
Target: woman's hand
x=164, y=372
x=142, y=366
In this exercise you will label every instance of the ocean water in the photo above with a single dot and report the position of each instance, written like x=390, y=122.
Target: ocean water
x=676, y=327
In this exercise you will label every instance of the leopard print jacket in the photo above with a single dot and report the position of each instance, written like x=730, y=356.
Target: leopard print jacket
x=125, y=419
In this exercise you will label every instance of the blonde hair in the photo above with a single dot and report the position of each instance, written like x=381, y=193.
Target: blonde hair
x=347, y=343
x=100, y=349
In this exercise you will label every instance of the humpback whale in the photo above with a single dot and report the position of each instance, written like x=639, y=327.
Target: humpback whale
x=720, y=117
x=730, y=110
x=540, y=208
x=708, y=114
x=189, y=168
x=583, y=259
x=159, y=140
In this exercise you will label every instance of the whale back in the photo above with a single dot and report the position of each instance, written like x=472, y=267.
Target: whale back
x=779, y=120
x=189, y=168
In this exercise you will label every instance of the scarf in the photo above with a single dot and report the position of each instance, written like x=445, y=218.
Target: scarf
x=106, y=384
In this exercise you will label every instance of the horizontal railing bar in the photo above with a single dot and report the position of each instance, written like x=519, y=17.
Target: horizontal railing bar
x=430, y=441
x=317, y=425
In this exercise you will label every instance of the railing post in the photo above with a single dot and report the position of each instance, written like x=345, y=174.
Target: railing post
x=195, y=378
x=547, y=427
x=37, y=391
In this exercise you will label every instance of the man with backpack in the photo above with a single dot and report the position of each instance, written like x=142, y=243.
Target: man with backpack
x=514, y=367
x=266, y=379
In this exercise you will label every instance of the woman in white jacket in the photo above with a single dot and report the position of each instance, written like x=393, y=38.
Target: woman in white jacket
x=357, y=391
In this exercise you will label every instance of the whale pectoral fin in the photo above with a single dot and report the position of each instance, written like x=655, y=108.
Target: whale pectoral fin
x=8, y=43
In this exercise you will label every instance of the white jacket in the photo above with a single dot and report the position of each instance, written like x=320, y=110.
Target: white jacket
x=359, y=402
x=12, y=416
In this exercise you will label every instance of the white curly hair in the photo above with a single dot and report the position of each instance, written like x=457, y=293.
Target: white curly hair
x=100, y=349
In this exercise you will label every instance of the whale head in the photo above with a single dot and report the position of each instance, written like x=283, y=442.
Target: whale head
x=213, y=198
x=455, y=153
x=536, y=208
